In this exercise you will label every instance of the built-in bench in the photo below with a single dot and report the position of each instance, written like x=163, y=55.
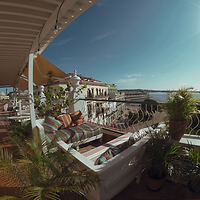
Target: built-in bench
x=116, y=173
x=64, y=134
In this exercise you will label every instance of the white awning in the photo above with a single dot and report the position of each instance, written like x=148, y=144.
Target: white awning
x=29, y=26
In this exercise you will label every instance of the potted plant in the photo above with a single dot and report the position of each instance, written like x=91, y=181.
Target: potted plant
x=160, y=152
x=180, y=107
x=189, y=168
x=44, y=176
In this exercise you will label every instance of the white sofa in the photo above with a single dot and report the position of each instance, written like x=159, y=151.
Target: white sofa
x=116, y=173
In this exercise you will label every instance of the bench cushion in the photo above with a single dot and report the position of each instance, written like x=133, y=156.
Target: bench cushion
x=74, y=134
x=105, y=152
x=51, y=124
x=93, y=154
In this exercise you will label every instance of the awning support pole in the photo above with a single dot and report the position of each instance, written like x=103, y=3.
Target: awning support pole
x=20, y=106
x=30, y=90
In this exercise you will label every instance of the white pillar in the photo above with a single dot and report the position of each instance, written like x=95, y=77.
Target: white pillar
x=20, y=106
x=30, y=90
x=15, y=96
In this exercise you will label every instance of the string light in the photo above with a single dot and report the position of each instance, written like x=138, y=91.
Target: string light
x=78, y=6
x=55, y=31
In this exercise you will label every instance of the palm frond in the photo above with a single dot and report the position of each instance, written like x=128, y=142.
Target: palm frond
x=41, y=193
x=10, y=198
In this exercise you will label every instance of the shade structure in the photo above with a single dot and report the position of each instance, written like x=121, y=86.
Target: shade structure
x=29, y=27
x=41, y=70
x=22, y=84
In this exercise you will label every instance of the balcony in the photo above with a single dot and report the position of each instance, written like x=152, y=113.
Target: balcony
x=133, y=117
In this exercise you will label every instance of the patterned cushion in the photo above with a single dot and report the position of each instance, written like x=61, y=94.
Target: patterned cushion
x=51, y=124
x=79, y=121
x=75, y=115
x=114, y=150
x=77, y=118
x=74, y=134
x=65, y=119
x=110, y=153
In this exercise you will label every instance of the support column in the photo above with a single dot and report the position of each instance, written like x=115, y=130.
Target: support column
x=20, y=106
x=30, y=90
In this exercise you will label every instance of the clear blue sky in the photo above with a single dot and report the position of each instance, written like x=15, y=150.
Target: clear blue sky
x=149, y=44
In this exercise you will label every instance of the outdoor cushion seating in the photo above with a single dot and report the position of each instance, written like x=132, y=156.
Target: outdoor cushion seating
x=65, y=119
x=51, y=124
x=74, y=134
x=105, y=152
x=77, y=118
x=118, y=171
x=52, y=130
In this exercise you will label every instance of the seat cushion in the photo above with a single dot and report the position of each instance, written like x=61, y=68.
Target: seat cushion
x=74, y=134
x=94, y=154
x=51, y=124
x=107, y=151
x=65, y=119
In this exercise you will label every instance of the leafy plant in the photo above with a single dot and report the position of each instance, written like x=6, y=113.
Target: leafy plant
x=160, y=153
x=56, y=100
x=187, y=167
x=20, y=132
x=44, y=176
x=181, y=105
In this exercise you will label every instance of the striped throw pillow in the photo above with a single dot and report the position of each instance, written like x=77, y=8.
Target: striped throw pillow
x=75, y=115
x=65, y=119
x=77, y=118
x=107, y=155
x=51, y=124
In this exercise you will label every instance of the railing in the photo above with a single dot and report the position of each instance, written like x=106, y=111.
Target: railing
x=97, y=96
x=193, y=127
x=137, y=116
x=130, y=116
x=123, y=115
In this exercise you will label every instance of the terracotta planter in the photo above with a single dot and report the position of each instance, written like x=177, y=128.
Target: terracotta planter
x=177, y=129
x=194, y=186
x=154, y=184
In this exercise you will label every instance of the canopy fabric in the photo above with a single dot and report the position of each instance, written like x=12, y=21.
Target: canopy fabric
x=28, y=27
x=41, y=69
x=22, y=84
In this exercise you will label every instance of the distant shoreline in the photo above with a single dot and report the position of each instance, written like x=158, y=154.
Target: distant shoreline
x=147, y=91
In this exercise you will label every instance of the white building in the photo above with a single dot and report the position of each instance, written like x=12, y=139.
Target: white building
x=92, y=100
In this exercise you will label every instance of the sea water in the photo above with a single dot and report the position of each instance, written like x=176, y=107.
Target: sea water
x=162, y=97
